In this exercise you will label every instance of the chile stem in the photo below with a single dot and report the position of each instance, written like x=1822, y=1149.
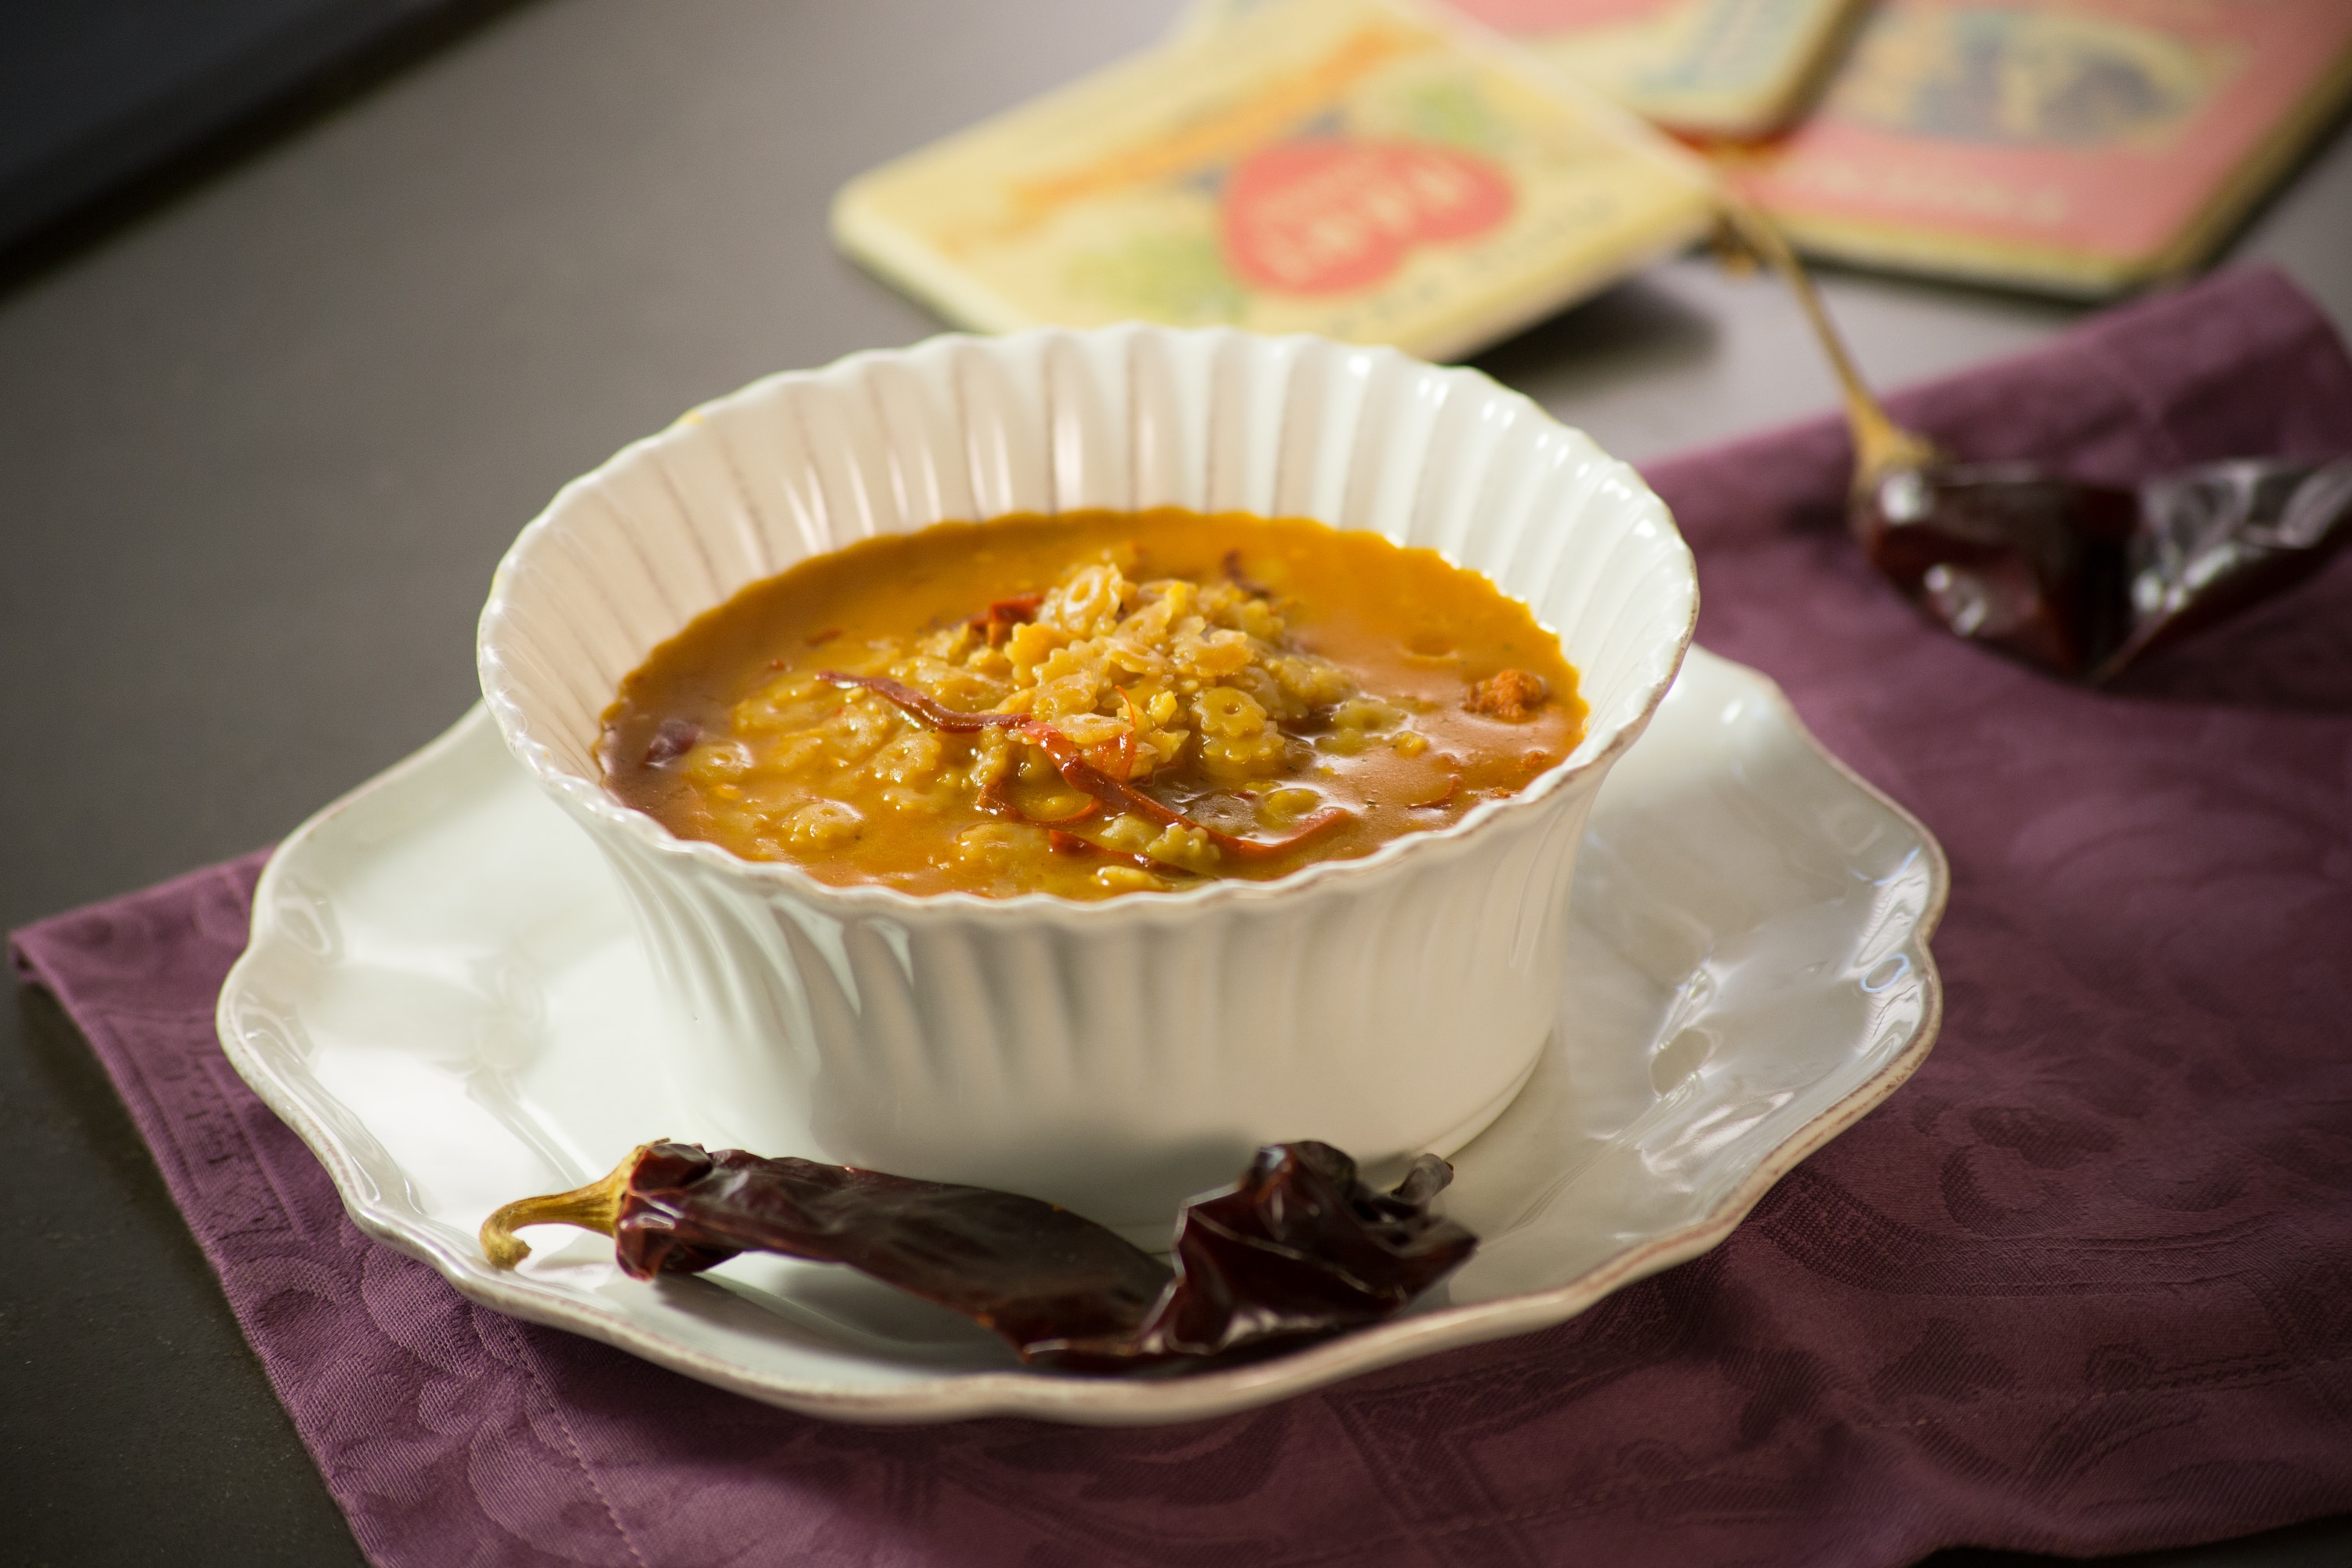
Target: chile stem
x=596, y=1207
x=1880, y=444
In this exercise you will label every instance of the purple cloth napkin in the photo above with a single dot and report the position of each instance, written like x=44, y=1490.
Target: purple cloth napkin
x=2085, y=1285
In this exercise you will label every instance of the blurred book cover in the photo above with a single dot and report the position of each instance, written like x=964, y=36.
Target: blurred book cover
x=2075, y=146
x=1734, y=69
x=1361, y=169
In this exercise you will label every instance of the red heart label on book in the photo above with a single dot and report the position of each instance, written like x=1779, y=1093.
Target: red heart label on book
x=1328, y=216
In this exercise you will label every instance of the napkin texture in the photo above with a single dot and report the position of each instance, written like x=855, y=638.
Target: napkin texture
x=2084, y=1285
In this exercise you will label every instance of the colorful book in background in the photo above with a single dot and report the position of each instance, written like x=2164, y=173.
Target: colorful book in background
x=1736, y=69
x=2077, y=146
x=1360, y=169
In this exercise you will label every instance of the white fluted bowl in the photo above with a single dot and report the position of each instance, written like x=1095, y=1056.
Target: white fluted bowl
x=1112, y=1056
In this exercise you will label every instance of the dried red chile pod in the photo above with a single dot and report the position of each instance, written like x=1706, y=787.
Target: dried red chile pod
x=2006, y=555
x=2085, y=579
x=2217, y=539
x=1020, y=1266
x=1297, y=1250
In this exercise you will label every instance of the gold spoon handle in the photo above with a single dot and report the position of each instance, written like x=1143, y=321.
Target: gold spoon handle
x=1879, y=443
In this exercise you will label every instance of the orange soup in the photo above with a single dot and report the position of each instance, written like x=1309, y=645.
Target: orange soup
x=1091, y=704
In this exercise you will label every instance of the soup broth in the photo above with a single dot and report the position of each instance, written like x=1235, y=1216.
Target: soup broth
x=1092, y=704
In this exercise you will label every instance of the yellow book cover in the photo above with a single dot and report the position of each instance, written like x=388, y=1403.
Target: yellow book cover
x=1733, y=69
x=2077, y=146
x=1361, y=169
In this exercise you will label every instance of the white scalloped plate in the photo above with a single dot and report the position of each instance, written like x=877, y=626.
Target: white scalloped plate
x=444, y=997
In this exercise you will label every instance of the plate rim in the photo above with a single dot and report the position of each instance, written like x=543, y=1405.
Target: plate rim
x=1019, y=1392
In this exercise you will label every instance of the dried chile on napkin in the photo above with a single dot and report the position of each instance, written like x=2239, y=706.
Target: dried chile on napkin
x=2086, y=579
x=1299, y=1248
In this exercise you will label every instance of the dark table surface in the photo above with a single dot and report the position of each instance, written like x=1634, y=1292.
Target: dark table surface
x=263, y=444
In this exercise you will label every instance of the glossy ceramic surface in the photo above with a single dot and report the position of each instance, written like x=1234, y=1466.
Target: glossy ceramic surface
x=445, y=998
x=1121, y=1055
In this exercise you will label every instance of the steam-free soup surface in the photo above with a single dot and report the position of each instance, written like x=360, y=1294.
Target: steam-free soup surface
x=1092, y=704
